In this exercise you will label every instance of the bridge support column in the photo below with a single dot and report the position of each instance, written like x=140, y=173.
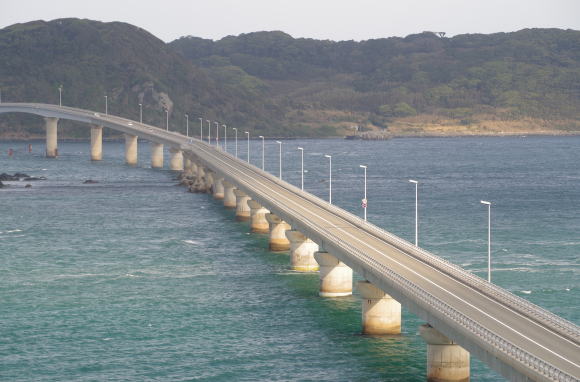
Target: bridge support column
x=96, y=142
x=335, y=276
x=381, y=314
x=229, y=196
x=218, y=188
x=131, y=149
x=278, y=227
x=198, y=185
x=242, y=207
x=209, y=181
x=302, y=251
x=446, y=361
x=176, y=162
x=51, y=137
x=188, y=167
x=156, y=155
x=259, y=224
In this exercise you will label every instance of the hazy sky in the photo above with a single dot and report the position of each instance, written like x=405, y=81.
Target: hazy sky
x=321, y=19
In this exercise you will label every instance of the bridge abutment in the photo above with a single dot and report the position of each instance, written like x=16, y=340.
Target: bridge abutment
x=96, y=143
x=335, y=276
x=176, y=161
x=51, y=137
x=229, y=196
x=131, y=149
x=278, y=240
x=156, y=155
x=381, y=314
x=258, y=223
x=302, y=251
x=446, y=361
x=242, y=207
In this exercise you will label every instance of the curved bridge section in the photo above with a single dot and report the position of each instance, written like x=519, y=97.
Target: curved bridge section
x=520, y=340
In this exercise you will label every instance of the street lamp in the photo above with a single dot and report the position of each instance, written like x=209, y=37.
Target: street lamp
x=187, y=125
x=280, y=144
x=248, y=134
x=261, y=136
x=60, y=95
x=166, y=119
x=236, y=132
x=364, y=201
x=301, y=168
x=106, y=105
x=488, y=239
x=217, y=134
x=329, y=178
x=416, y=211
x=225, y=138
x=200, y=129
x=140, y=113
x=208, y=131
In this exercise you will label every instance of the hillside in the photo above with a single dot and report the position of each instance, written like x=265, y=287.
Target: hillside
x=128, y=64
x=468, y=83
x=273, y=84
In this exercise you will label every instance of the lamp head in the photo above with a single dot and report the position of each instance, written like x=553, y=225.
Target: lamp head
x=328, y=156
x=486, y=202
x=362, y=166
x=413, y=181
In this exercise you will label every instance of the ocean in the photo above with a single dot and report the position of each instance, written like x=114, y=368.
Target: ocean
x=134, y=278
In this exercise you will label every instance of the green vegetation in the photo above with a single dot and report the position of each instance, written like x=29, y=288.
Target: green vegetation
x=273, y=84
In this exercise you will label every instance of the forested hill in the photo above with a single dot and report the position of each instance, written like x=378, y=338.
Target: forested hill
x=533, y=73
x=273, y=84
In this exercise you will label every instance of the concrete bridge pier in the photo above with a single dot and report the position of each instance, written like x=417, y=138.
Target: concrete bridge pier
x=446, y=361
x=198, y=185
x=278, y=227
x=229, y=196
x=302, y=251
x=131, y=149
x=242, y=207
x=188, y=167
x=335, y=276
x=51, y=137
x=381, y=314
x=209, y=181
x=258, y=223
x=218, y=188
x=96, y=142
x=156, y=155
x=176, y=161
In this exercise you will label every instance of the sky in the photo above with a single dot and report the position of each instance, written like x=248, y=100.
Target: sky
x=319, y=19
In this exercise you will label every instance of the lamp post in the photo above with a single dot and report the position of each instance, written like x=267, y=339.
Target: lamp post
x=225, y=138
x=261, y=136
x=416, y=183
x=140, y=113
x=364, y=201
x=200, y=129
x=280, y=164
x=167, y=119
x=248, y=134
x=187, y=125
x=329, y=178
x=301, y=168
x=217, y=134
x=208, y=131
x=60, y=96
x=106, y=105
x=236, y=133
x=488, y=239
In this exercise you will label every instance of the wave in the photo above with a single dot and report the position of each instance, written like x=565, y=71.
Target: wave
x=191, y=242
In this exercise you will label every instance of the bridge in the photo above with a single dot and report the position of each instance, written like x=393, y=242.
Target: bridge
x=465, y=315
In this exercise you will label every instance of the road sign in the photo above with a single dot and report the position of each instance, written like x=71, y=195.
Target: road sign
x=364, y=203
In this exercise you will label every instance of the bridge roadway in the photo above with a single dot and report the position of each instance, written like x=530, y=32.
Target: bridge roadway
x=516, y=338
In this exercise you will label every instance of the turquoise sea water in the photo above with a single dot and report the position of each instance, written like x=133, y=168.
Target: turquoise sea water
x=133, y=278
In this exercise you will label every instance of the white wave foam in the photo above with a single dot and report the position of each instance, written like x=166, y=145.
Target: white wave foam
x=14, y=230
x=190, y=242
x=527, y=291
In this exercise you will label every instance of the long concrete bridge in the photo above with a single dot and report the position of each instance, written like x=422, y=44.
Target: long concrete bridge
x=465, y=314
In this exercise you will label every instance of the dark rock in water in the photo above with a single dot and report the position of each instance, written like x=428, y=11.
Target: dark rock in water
x=8, y=178
x=28, y=186
x=32, y=178
x=1, y=184
x=21, y=175
x=90, y=181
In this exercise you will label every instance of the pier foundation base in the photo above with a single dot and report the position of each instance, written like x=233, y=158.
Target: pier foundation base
x=229, y=196
x=176, y=161
x=131, y=149
x=156, y=155
x=446, y=361
x=258, y=223
x=278, y=240
x=381, y=314
x=242, y=207
x=96, y=142
x=335, y=276
x=302, y=251
x=51, y=137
